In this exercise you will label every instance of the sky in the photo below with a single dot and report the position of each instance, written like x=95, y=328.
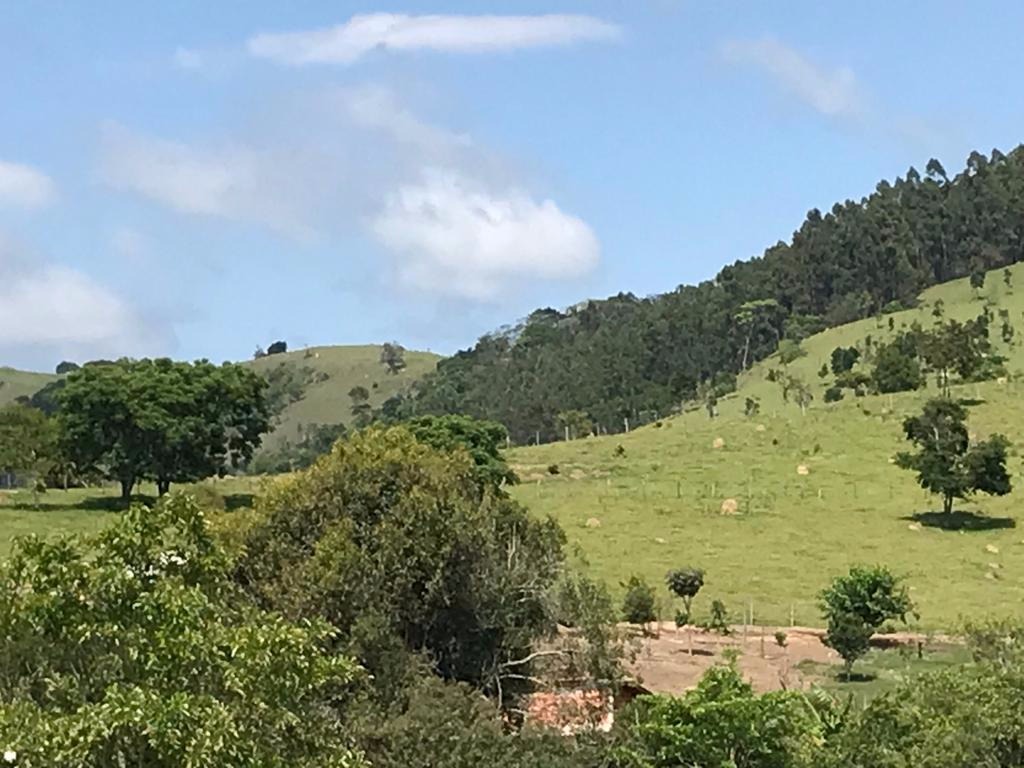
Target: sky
x=197, y=179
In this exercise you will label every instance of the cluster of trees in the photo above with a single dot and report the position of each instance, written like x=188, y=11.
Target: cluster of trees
x=951, y=350
x=130, y=420
x=635, y=358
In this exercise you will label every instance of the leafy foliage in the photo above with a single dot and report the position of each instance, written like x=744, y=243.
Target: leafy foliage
x=722, y=723
x=130, y=649
x=483, y=440
x=162, y=420
x=872, y=594
x=638, y=602
x=392, y=357
x=946, y=463
x=685, y=583
x=393, y=542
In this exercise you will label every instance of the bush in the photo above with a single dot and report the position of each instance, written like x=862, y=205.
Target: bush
x=896, y=371
x=849, y=636
x=833, y=395
x=553, y=469
x=790, y=351
x=718, y=621
x=685, y=583
x=638, y=603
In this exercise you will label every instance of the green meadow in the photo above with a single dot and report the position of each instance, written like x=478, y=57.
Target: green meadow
x=772, y=506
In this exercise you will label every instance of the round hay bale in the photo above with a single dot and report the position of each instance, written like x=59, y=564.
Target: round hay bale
x=659, y=540
x=593, y=522
x=992, y=549
x=718, y=443
x=1001, y=380
x=760, y=428
x=730, y=507
x=803, y=469
x=914, y=527
x=994, y=566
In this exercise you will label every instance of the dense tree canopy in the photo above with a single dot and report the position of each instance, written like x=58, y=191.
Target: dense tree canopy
x=635, y=358
x=392, y=542
x=130, y=649
x=162, y=420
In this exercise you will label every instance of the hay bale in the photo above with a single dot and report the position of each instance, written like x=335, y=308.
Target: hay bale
x=593, y=522
x=718, y=443
x=990, y=574
x=803, y=469
x=992, y=549
x=1001, y=380
x=730, y=507
x=914, y=527
x=659, y=540
x=994, y=566
x=760, y=428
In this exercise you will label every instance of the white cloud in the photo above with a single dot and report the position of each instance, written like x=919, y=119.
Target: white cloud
x=375, y=107
x=455, y=237
x=345, y=43
x=834, y=93
x=47, y=308
x=188, y=59
x=24, y=186
x=231, y=182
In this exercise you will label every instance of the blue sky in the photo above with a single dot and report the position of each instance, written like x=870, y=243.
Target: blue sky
x=195, y=179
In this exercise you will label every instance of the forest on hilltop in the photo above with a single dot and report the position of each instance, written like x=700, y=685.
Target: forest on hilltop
x=635, y=358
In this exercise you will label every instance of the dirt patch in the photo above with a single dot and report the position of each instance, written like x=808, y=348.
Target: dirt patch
x=665, y=664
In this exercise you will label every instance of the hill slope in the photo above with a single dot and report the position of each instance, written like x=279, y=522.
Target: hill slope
x=659, y=506
x=326, y=401
x=15, y=384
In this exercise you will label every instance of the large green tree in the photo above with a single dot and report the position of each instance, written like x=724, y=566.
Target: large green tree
x=393, y=542
x=162, y=420
x=946, y=462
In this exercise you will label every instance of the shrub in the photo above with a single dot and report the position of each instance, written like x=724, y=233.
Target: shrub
x=833, y=395
x=685, y=583
x=718, y=621
x=638, y=602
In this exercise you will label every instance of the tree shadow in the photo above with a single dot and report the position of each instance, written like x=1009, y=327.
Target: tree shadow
x=962, y=520
x=91, y=504
x=235, y=501
x=970, y=402
x=856, y=677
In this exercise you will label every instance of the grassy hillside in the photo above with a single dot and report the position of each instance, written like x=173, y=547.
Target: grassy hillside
x=332, y=372
x=813, y=494
x=15, y=384
x=327, y=401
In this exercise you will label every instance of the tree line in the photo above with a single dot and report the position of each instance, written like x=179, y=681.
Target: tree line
x=631, y=358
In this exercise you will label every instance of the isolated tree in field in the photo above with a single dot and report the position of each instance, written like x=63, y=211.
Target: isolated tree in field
x=638, y=602
x=896, y=370
x=66, y=367
x=162, y=420
x=857, y=604
x=946, y=463
x=362, y=412
x=277, y=348
x=960, y=348
x=392, y=357
x=796, y=388
x=843, y=359
x=685, y=583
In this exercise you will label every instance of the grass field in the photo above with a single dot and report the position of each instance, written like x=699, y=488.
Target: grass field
x=87, y=510
x=813, y=494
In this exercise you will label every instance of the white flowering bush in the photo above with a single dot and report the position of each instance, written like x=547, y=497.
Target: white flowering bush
x=133, y=648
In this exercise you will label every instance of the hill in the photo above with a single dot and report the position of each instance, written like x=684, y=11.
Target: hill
x=327, y=375
x=630, y=357
x=15, y=384
x=813, y=493
x=321, y=378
